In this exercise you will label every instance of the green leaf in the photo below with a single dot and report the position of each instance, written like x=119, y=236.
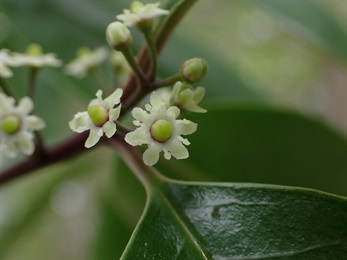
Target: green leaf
x=239, y=221
x=121, y=203
x=240, y=142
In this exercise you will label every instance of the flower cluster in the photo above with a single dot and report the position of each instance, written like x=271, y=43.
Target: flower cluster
x=17, y=125
x=158, y=126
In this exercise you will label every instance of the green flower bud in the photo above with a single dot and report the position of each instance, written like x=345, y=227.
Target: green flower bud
x=161, y=130
x=194, y=70
x=34, y=50
x=118, y=36
x=98, y=114
x=10, y=124
x=136, y=6
x=83, y=52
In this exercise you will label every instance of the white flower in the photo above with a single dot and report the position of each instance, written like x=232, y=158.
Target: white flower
x=35, y=57
x=86, y=59
x=140, y=13
x=6, y=61
x=99, y=118
x=17, y=125
x=187, y=98
x=160, y=130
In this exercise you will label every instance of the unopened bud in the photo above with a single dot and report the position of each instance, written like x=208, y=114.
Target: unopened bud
x=118, y=35
x=194, y=70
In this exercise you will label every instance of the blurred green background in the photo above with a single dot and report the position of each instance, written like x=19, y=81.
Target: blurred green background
x=276, y=94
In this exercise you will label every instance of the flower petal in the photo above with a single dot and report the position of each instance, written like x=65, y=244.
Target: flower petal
x=113, y=99
x=185, y=127
x=151, y=155
x=99, y=97
x=35, y=123
x=93, y=138
x=186, y=96
x=138, y=137
x=25, y=105
x=173, y=112
x=26, y=143
x=6, y=103
x=176, y=90
x=139, y=114
x=11, y=150
x=199, y=94
x=114, y=113
x=156, y=99
x=109, y=128
x=196, y=109
x=5, y=71
x=80, y=122
x=167, y=155
x=178, y=150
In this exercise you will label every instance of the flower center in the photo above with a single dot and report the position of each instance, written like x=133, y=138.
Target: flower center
x=34, y=50
x=161, y=130
x=98, y=114
x=83, y=52
x=10, y=124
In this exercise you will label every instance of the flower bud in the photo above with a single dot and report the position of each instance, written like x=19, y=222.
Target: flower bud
x=194, y=70
x=118, y=35
x=136, y=7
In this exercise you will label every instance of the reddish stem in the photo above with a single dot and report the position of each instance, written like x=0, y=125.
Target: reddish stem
x=66, y=150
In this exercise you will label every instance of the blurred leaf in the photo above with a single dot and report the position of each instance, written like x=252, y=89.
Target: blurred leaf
x=254, y=143
x=32, y=196
x=310, y=21
x=239, y=221
x=121, y=203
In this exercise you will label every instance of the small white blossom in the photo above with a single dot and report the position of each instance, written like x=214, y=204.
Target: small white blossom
x=140, y=13
x=86, y=60
x=35, y=57
x=160, y=130
x=7, y=60
x=17, y=126
x=99, y=118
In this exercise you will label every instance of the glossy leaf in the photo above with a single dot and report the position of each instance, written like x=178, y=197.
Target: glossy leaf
x=240, y=221
x=240, y=142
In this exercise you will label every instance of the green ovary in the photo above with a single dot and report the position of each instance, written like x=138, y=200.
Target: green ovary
x=98, y=114
x=34, y=50
x=10, y=124
x=161, y=130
